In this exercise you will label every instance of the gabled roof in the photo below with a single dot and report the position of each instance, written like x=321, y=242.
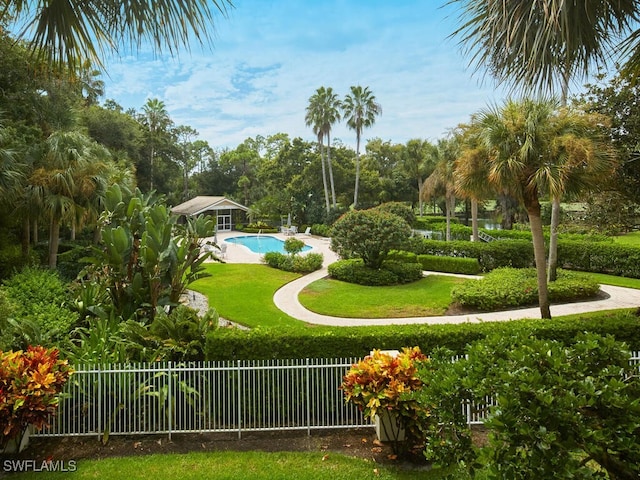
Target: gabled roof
x=201, y=204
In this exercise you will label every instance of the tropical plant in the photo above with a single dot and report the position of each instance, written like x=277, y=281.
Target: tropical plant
x=156, y=120
x=419, y=160
x=368, y=234
x=544, y=45
x=360, y=110
x=523, y=139
x=147, y=260
x=73, y=33
x=30, y=384
x=380, y=383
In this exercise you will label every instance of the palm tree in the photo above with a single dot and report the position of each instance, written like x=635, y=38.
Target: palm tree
x=360, y=110
x=322, y=113
x=156, y=119
x=544, y=45
x=419, y=159
x=533, y=147
x=71, y=166
x=441, y=179
x=72, y=32
x=471, y=172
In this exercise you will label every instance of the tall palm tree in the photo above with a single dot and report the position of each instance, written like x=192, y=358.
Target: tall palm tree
x=156, y=119
x=544, y=44
x=360, y=110
x=71, y=32
x=533, y=147
x=322, y=113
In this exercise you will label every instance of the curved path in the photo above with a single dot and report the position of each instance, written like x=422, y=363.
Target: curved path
x=286, y=299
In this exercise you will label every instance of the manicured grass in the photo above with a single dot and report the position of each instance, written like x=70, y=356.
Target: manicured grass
x=632, y=238
x=427, y=297
x=604, y=279
x=239, y=465
x=243, y=293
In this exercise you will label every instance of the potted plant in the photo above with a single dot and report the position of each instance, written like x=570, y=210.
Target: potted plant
x=30, y=384
x=379, y=385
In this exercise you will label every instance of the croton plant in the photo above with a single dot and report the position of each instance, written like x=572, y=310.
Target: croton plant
x=383, y=381
x=30, y=384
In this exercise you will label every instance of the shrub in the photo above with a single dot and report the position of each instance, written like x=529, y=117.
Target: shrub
x=405, y=272
x=403, y=211
x=321, y=230
x=509, y=287
x=380, y=383
x=435, y=263
x=12, y=260
x=261, y=343
x=294, y=263
x=293, y=246
x=562, y=411
x=369, y=235
x=30, y=383
x=41, y=297
x=390, y=273
x=402, y=256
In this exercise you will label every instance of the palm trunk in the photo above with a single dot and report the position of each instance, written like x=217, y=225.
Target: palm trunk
x=324, y=175
x=535, y=221
x=355, y=192
x=25, y=240
x=552, y=272
x=333, y=186
x=54, y=240
x=450, y=200
x=474, y=219
x=420, y=207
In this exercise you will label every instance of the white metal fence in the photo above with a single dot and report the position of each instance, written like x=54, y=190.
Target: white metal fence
x=241, y=396
x=204, y=397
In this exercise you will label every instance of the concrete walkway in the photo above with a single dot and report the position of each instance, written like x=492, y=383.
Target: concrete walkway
x=286, y=298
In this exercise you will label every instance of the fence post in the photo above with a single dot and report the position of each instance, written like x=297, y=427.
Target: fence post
x=308, y=393
x=99, y=409
x=239, y=400
x=169, y=393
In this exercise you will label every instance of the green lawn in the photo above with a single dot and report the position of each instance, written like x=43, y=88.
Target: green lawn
x=427, y=297
x=632, y=238
x=243, y=293
x=239, y=465
x=604, y=279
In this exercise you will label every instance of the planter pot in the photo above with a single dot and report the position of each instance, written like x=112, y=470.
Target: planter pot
x=18, y=444
x=389, y=427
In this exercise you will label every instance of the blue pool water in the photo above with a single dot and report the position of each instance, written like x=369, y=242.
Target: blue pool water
x=262, y=243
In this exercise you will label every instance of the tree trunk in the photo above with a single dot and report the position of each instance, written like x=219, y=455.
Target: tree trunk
x=34, y=233
x=535, y=221
x=324, y=176
x=54, y=240
x=552, y=272
x=25, y=240
x=420, y=206
x=449, y=201
x=474, y=219
x=355, y=192
x=333, y=186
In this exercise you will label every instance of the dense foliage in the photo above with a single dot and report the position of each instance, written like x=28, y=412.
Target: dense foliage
x=390, y=272
x=263, y=343
x=369, y=235
x=561, y=411
x=506, y=288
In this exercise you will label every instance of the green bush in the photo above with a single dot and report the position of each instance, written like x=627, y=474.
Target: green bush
x=321, y=230
x=12, y=260
x=426, y=222
x=70, y=262
x=611, y=258
x=402, y=256
x=42, y=298
x=390, y=273
x=400, y=209
x=434, y=263
x=294, y=263
x=405, y=272
x=356, y=342
x=558, y=405
x=509, y=287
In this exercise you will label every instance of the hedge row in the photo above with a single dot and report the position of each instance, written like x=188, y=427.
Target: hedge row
x=469, y=266
x=596, y=257
x=321, y=342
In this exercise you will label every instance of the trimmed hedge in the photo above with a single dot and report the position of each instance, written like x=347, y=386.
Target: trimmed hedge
x=319, y=342
x=434, y=263
x=294, y=263
x=391, y=273
x=611, y=258
x=509, y=287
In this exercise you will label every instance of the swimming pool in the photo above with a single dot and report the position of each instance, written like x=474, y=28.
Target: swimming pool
x=262, y=243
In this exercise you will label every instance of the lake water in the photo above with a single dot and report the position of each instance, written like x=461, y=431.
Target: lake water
x=262, y=243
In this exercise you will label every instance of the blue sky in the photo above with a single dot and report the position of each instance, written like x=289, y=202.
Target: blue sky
x=270, y=56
